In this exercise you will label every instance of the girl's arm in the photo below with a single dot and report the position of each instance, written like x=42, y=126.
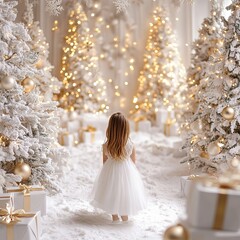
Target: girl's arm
x=133, y=155
x=104, y=154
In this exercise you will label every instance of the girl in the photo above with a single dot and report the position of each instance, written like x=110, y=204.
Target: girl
x=118, y=189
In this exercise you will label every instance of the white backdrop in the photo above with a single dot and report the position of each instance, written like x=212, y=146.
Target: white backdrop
x=185, y=20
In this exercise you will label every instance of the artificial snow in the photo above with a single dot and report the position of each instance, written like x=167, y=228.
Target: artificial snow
x=70, y=216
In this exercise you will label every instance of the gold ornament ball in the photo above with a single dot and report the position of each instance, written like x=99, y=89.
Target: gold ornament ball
x=23, y=169
x=4, y=141
x=204, y=155
x=28, y=85
x=177, y=232
x=228, y=113
x=8, y=82
x=39, y=64
x=213, y=148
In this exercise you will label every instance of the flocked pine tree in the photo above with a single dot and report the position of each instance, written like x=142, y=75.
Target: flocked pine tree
x=162, y=78
x=47, y=84
x=207, y=46
x=215, y=136
x=28, y=126
x=83, y=89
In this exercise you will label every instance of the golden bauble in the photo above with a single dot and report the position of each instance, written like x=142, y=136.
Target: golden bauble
x=8, y=82
x=204, y=155
x=4, y=141
x=196, y=126
x=39, y=64
x=213, y=148
x=23, y=170
x=228, y=113
x=177, y=232
x=28, y=85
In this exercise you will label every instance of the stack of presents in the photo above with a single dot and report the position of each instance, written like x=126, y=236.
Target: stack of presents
x=91, y=128
x=21, y=209
x=212, y=208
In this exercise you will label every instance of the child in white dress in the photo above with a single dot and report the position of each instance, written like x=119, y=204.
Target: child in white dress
x=118, y=188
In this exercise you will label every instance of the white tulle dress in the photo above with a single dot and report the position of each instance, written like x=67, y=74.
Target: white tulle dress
x=119, y=189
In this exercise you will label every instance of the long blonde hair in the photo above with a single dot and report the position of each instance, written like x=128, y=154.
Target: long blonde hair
x=117, y=135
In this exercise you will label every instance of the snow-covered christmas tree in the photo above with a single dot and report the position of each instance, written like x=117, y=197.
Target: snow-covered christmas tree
x=206, y=47
x=215, y=136
x=28, y=129
x=83, y=88
x=162, y=78
x=47, y=84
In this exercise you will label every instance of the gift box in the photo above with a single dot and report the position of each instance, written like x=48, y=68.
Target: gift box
x=185, y=184
x=140, y=125
x=91, y=135
x=30, y=198
x=73, y=126
x=213, y=208
x=98, y=121
x=6, y=198
x=68, y=139
x=207, y=234
x=170, y=127
x=162, y=115
x=25, y=226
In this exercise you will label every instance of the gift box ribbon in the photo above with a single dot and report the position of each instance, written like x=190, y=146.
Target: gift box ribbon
x=26, y=190
x=9, y=216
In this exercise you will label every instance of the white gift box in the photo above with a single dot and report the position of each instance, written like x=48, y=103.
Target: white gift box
x=185, y=184
x=29, y=228
x=213, y=208
x=206, y=234
x=162, y=116
x=35, y=201
x=140, y=126
x=68, y=139
x=92, y=137
x=73, y=126
x=6, y=198
x=99, y=121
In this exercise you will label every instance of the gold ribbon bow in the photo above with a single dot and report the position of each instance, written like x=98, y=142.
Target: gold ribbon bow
x=137, y=120
x=26, y=190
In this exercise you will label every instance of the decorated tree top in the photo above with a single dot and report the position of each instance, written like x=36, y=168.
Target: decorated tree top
x=83, y=88
x=162, y=78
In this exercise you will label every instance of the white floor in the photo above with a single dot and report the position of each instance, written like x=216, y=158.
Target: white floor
x=71, y=217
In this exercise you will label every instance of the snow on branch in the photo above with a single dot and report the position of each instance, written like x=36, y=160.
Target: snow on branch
x=54, y=6
x=121, y=5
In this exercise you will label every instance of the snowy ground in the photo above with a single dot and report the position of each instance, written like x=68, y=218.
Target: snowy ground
x=71, y=217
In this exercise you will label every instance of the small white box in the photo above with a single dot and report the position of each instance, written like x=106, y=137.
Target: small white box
x=141, y=126
x=93, y=137
x=73, y=126
x=162, y=115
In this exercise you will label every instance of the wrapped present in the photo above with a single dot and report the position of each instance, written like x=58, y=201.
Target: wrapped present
x=162, y=115
x=170, y=127
x=140, y=124
x=68, y=139
x=6, y=198
x=208, y=234
x=73, y=126
x=30, y=198
x=214, y=206
x=91, y=135
x=19, y=225
x=98, y=121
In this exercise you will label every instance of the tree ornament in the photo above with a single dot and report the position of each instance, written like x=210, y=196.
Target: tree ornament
x=39, y=64
x=23, y=170
x=213, y=148
x=8, y=82
x=4, y=141
x=228, y=113
x=196, y=126
x=176, y=232
x=232, y=83
x=28, y=85
x=204, y=155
